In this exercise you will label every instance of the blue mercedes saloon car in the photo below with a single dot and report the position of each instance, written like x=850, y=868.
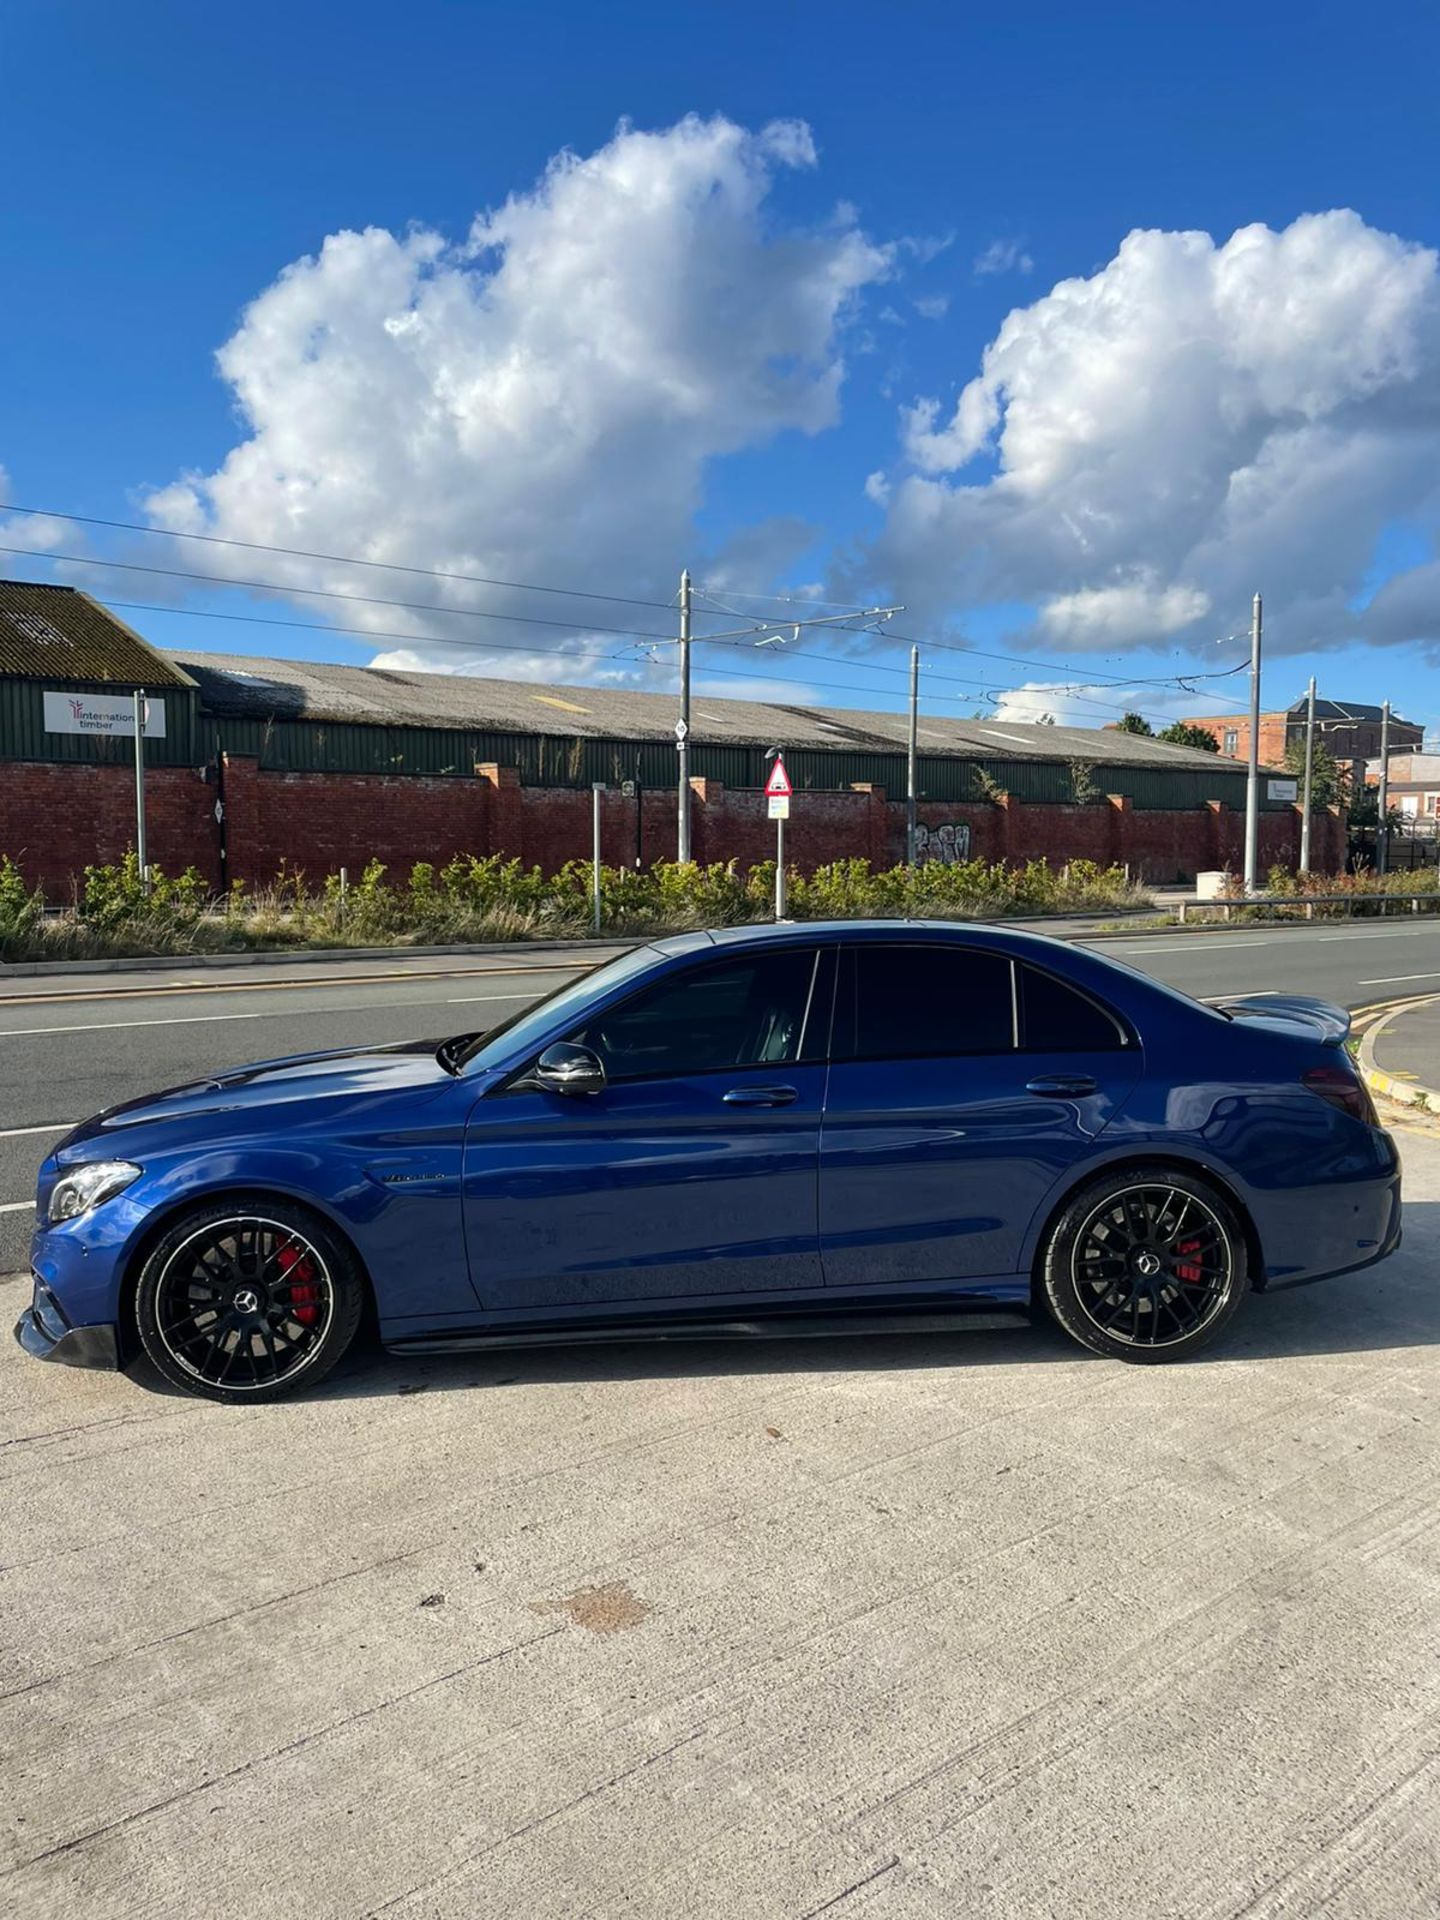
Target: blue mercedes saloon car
x=762, y=1130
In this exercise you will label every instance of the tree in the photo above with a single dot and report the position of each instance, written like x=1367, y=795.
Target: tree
x=1135, y=723
x=1183, y=733
x=1325, y=782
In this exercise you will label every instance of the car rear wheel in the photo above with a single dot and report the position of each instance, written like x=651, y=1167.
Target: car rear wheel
x=1146, y=1265
x=248, y=1300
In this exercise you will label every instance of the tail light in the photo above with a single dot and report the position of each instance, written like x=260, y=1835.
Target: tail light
x=1345, y=1090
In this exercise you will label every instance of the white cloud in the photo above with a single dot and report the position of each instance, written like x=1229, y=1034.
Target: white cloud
x=1034, y=701
x=1004, y=256
x=932, y=306
x=1140, y=610
x=540, y=401
x=35, y=532
x=1193, y=421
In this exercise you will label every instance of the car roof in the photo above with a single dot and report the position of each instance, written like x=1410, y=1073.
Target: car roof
x=767, y=933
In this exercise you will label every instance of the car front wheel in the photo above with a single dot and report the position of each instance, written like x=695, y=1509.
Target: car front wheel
x=248, y=1300
x=1146, y=1264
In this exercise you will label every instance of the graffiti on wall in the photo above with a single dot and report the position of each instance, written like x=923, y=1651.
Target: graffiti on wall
x=949, y=844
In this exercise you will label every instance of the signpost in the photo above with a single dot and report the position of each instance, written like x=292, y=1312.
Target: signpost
x=777, y=800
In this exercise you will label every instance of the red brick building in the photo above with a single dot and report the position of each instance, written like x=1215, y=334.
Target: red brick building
x=1349, y=730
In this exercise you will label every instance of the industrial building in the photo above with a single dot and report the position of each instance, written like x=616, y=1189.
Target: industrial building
x=254, y=761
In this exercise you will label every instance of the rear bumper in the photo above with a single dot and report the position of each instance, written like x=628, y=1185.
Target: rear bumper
x=1336, y=1230
x=45, y=1334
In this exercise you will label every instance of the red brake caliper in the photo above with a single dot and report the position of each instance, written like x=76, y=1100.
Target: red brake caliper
x=304, y=1294
x=1187, y=1270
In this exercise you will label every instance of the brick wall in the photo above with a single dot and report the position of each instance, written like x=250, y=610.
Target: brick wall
x=57, y=819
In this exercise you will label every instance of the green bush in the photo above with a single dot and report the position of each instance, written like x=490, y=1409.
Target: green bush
x=22, y=910
x=476, y=898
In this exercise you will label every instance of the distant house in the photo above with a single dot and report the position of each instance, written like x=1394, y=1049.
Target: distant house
x=1349, y=730
x=1414, y=785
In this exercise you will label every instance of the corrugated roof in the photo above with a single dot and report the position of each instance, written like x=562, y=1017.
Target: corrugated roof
x=258, y=688
x=60, y=633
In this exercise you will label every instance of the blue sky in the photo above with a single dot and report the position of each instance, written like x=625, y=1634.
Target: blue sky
x=167, y=163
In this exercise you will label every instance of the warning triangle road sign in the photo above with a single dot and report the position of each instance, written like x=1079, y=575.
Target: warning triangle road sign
x=779, y=781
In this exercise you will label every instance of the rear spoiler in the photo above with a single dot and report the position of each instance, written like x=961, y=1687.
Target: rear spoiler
x=1330, y=1024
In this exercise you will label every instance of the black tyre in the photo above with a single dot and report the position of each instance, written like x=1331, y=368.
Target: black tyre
x=1146, y=1264
x=248, y=1299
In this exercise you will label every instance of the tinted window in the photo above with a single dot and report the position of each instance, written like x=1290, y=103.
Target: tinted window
x=510, y=1036
x=929, y=1000
x=737, y=1013
x=1055, y=1018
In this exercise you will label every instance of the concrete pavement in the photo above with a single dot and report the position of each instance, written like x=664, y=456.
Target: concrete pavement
x=919, y=1627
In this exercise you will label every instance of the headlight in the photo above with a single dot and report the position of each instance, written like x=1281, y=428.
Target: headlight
x=82, y=1188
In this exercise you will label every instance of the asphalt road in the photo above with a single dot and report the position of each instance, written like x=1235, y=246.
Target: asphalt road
x=873, y=1628
x=68, y=1048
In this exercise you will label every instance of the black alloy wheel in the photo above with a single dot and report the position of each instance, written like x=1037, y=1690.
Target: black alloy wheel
x=1146, y=1265
x=246, y=1303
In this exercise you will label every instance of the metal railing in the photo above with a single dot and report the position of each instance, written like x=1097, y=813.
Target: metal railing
x=1302, y=905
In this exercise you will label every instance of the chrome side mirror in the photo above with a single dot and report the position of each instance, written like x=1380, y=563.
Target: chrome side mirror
x=568, y=1069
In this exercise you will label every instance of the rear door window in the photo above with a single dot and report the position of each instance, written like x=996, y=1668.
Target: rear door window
x=916, y=1002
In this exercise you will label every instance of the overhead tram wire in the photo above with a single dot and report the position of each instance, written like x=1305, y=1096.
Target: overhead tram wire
x=334, y=559
x=471, y=613
x=522, y=586
x=481, y=645
x=1074, y=687
x=630, y=633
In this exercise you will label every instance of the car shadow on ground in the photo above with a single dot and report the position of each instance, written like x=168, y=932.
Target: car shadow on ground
x=1390, y=1306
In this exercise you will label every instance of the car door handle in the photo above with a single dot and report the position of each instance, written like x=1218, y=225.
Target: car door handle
x=760, y=1096
x=1072, y=1084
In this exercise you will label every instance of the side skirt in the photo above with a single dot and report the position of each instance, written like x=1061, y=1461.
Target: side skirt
x=773, y=1326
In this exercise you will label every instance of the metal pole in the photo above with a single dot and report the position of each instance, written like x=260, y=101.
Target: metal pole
x=1382, y=831
x=220, y=819
x=595, y=792
x=140, y=855
x=639, y=818
x=780, y=869
x=1309, y=777
x=682, y=730
x=912, y=757
x=1252, y=779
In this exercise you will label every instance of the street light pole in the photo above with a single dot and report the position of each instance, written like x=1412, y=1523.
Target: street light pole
x=1252, y=780
x=596, y=790
x=912, y=758
x=1309, y=777
x=682, y=725
x=1382, y=826
x=141, y=858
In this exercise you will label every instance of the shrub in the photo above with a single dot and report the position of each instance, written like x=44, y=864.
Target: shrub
x=22, y=910
x=475, y=898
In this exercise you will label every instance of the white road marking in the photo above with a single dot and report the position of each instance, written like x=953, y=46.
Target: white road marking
x=16, y=1133
x=17, y=1206
x=467, y=999
x=208, y=1019
x=1179, y=945
x=179, y=1020
x=1389, y=979
x=1189, y=946
x=1398, y=933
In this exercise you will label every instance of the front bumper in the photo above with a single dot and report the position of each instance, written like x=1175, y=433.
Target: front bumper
x=45, y=1334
